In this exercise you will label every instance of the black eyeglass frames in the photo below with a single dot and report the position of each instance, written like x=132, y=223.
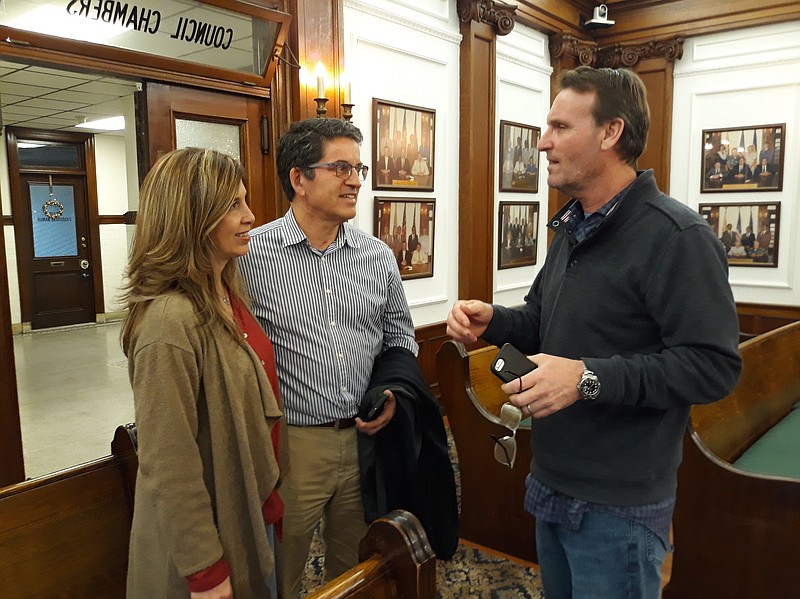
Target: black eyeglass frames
x=342, y=169
x=505, y=448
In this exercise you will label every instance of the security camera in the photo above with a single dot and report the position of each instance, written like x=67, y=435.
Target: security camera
x=599, y=19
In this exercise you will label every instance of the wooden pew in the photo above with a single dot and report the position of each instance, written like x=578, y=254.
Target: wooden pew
x=66, y=534
x=396, y=561
x=737, y=534
x=492, y=495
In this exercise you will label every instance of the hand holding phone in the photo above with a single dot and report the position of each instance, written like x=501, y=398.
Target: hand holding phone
x=376, y=409
x=511, y=364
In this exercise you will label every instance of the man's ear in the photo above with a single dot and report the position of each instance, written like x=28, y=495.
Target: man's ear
x=612, y=133
x=298, y=180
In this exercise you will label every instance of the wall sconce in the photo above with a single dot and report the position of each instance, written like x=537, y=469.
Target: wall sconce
x=321, y=100
x=347, y=106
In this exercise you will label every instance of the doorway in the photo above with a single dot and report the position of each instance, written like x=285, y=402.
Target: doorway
x=158, y=118
x=58, y=285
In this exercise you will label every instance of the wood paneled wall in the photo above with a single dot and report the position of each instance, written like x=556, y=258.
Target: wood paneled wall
x=755, y=319
x=645, y=20
x=11, y=465
x=476, y=161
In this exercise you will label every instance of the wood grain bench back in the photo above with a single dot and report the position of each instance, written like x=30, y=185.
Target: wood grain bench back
x=66, y=534
x=768, y=388
x=492, y=495
x=737, y=533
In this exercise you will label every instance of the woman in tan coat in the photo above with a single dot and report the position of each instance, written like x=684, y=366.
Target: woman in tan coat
x=205, y=390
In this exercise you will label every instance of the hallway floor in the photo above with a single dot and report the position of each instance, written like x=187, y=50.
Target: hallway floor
x=73, y=392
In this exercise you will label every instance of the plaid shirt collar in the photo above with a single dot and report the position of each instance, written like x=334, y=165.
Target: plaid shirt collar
x=576, y=225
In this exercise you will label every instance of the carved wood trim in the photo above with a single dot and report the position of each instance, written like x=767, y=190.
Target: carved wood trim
x=498, y=15
x=628, y=55
x=567, y=46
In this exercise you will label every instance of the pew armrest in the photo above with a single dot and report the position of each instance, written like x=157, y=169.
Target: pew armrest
x=396, y=561
x=492, y=495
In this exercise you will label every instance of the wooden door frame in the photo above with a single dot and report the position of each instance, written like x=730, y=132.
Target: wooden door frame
x=88, y=171
x=12, y=464
x=184, y=103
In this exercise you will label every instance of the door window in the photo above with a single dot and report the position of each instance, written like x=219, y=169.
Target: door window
x=201, y=134
x=53, y=219
x=34, y=154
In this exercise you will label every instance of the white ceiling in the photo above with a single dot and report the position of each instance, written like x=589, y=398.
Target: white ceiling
x=43, y=98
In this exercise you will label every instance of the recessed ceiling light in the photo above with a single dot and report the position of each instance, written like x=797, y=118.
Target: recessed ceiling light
x=114, y=123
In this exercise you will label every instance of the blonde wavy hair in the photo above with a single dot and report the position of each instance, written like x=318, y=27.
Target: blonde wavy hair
x=182, y=199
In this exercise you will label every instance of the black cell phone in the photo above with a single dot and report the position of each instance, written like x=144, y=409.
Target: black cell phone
x=510, y=364
x=375, y=410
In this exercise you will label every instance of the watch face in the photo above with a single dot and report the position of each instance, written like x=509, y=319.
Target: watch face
x=589, y=386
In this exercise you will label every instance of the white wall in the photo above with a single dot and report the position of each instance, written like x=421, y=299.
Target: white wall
x=408, y=52
x=733, y=80
x=523, y=96
x=8, y=233
x=112, y=199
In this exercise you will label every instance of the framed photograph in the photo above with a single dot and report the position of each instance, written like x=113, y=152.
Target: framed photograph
x=406, y=226
x=743, y=159
x=517, y=233
x=749, y=232
x=519, y=158
x=402, y=146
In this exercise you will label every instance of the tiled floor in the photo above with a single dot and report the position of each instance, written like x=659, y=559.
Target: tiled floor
x=73, y=393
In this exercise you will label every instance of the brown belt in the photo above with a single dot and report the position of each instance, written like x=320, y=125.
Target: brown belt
x=337, y=425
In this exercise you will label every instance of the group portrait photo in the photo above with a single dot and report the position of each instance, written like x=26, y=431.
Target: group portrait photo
x=406, y=226
x=743, y=159
x=749, y=232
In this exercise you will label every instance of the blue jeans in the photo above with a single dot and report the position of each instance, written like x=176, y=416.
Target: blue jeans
x=608, y=557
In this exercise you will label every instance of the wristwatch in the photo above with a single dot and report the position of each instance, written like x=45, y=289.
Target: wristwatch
x=589, y=386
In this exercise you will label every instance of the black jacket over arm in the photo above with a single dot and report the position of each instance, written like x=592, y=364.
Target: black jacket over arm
x=407, y=465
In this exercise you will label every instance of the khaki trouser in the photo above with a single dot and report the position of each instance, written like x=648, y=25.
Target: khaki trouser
x=322, y=483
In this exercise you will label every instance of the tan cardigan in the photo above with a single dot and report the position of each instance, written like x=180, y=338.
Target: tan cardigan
x=204, y=412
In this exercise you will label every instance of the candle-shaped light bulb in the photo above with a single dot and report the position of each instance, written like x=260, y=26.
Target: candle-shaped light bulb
x=319, y=71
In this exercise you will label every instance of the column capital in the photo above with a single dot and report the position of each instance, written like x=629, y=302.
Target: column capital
x=629, y=55
x=492, y=12
x=565, y=45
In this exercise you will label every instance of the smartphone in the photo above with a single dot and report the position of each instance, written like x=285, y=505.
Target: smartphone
x=510, y=364
x=375, y=410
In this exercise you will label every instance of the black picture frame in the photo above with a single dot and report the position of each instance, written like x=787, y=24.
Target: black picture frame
x=403, y=146
x=743, y=159
x=407, y=225
x=744, y=229
x=517, y=234
x=518, y=166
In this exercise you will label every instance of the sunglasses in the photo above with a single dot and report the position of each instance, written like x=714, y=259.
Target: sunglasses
x=505, y=448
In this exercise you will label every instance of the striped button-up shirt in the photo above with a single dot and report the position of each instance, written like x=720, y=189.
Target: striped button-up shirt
x=329, y=314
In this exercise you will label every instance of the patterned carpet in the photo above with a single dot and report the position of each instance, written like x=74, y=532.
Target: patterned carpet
x=471, y=574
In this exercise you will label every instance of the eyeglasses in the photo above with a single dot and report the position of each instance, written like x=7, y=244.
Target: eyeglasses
x=505, y=448
x=342, y=169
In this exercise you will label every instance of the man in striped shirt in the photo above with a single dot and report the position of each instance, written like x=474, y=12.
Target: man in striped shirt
x=331, y=300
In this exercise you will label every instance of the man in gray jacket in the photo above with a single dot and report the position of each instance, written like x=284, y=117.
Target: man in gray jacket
x=630, y=321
